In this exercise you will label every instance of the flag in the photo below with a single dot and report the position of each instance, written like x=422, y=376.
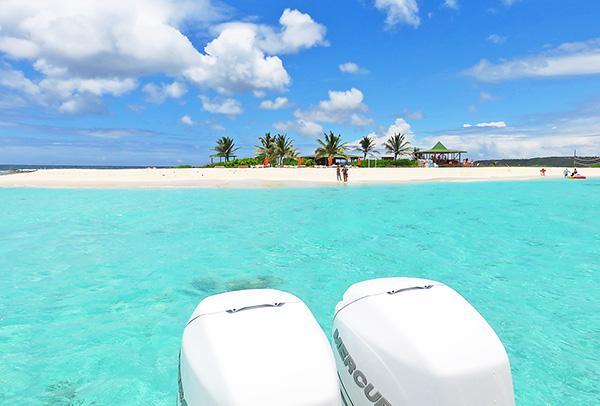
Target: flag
x=266, y=161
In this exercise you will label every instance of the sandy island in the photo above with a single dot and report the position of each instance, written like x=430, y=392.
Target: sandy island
x=267, y=177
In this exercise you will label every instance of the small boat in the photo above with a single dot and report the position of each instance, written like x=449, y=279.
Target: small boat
x=395, y=341
x=576, y=176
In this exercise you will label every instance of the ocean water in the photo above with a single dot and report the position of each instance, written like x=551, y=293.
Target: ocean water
x=96, y=285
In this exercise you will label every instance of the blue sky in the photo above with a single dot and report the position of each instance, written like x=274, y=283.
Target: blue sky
x=157, y=82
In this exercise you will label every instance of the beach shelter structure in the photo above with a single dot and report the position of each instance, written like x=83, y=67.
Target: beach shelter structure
x=441, y=155
x=372, y=157
x=221, y=157
x=335, y=160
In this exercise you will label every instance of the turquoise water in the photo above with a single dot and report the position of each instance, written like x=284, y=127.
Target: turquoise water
x=97, y=285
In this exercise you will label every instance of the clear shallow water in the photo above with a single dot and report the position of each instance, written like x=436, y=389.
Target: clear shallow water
x=97, y=285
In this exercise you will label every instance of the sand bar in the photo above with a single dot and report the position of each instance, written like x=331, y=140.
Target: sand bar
x=267, y=177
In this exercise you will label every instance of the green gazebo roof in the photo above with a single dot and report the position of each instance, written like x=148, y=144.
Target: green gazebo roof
x=439, y=148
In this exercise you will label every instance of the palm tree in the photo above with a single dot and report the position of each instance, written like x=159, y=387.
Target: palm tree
x=284, y=147
x=414, y=152
x=332, y=146
x=397, y=145
x=225, y=147
x=367, y=144
x=267, y=146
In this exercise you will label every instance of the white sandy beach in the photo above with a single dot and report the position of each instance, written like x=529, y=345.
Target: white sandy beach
x=266, y=177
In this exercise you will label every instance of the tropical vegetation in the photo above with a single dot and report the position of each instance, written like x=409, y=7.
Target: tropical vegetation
x=385, y=163
x=266, y=147
x=366, y=145
x=225, y=147
x=235, y=163
x=284, y=148
x=331, y=146
x=397, y=145
x=414, y=152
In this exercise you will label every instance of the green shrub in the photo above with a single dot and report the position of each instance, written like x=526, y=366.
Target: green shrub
x=291, y=161
x=386, y=163
x=183, y=166
x=234, y=163
x=595, y=166
x=405, y=162
x=244, y=161
x=308, y=162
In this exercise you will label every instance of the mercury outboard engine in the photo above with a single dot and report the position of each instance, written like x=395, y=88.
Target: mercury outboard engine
x=260, y=347
x=416, y=342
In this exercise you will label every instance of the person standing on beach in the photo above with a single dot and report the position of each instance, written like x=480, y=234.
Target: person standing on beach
x=566, y=172
x=339, y=173
x=345, y=171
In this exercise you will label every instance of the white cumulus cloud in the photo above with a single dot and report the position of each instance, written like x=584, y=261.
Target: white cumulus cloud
x=187, y=120
x=299, y=31
x=158, y=94
x=302, y=127
x=497, y=124
x=524, y=142
x=229, y=107
x=576, y=58
x=381, y=136
x=342, y=107
x=277, y=104
x=400, y=11
x=90, y=48
x=351, y=67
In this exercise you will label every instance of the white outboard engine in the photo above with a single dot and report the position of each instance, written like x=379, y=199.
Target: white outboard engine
x=416, y=342
x=260, y=347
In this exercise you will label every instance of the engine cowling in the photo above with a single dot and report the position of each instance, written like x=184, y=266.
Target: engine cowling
x=416, y=342
x=260, y=347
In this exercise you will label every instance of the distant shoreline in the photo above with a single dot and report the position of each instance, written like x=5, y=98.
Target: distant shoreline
x=267, y=177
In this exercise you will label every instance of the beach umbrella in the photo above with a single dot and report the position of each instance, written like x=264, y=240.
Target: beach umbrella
x=330, y=159
x=266, y=162
x=358, y=161
x=299, y=160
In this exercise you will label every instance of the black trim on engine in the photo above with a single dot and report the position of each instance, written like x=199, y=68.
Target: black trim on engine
x=345, y=397
x=393, y=292
x=180, y=394
x=255, y=307
x=231, y=311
